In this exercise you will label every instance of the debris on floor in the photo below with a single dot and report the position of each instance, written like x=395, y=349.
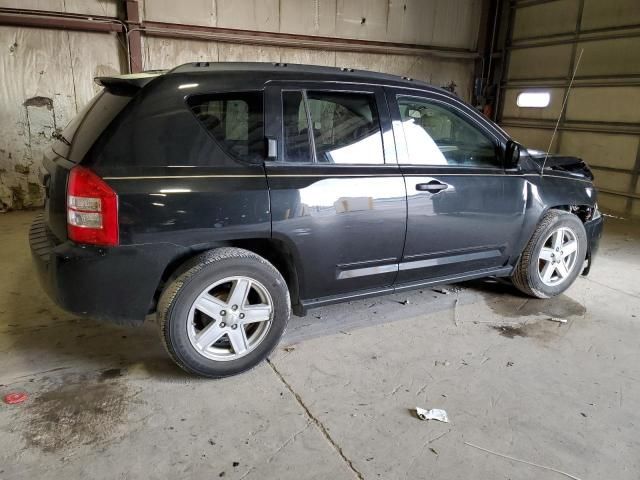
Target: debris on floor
x=448, y=291
x=559, y=320
x=15, y=398
x=455, y=312
x=433, y=414
x=289, y=349
x=443, y=291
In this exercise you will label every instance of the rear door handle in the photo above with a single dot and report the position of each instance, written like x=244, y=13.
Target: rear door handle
x=433, y=186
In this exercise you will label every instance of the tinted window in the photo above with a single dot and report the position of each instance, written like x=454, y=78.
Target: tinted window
x=346, y=128
x=235, y=120
x=89, y=123
x=295, y=127
x=436, y=135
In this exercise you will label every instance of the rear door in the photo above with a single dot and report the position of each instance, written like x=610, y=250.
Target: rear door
x=461, y=218
x=338, y=198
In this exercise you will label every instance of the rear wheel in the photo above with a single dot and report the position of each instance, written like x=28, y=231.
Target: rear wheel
x=553, y=257
x=225, y=313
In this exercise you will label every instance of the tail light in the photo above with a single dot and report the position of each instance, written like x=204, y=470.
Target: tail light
x=92, y=209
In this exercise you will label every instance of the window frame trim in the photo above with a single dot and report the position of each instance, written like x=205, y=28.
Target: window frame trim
x=395, y=93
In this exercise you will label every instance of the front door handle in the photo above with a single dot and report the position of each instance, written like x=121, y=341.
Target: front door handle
x=433, y=186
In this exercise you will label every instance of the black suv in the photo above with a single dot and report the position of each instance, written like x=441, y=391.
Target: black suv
x=220, y=196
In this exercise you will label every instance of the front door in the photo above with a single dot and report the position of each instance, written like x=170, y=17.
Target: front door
x=338, y=198
x=463, y=217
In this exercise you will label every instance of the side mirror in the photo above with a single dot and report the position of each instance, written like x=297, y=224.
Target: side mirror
x=512, y=154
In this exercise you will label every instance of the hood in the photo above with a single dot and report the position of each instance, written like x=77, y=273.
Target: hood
x=562, y=163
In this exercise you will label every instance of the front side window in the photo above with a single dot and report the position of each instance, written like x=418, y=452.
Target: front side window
x=435, y=135
x=235, y=120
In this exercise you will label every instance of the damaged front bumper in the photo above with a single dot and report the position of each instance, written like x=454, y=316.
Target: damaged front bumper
x=594, y=229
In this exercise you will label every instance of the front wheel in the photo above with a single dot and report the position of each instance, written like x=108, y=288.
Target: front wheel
x=554, y=256
x=225, y=313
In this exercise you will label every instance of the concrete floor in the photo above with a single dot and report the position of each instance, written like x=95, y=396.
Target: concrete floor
x=334, y=402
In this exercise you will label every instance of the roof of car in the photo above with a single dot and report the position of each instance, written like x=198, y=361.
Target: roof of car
x=322, y=72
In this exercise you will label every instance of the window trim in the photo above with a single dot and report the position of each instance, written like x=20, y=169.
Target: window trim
x=465, y=115
x=314, y=163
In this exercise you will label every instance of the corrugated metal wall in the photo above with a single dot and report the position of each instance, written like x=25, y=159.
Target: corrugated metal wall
x=601, y=122
x=47, y=75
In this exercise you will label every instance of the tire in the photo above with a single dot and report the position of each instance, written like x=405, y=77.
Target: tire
x=207, y=283
x=530, y=271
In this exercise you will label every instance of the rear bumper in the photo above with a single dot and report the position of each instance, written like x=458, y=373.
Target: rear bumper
x=112, y=284
x=594, y=233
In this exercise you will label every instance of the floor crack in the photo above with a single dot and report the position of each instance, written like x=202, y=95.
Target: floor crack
x=286, y=443
x=317, y=422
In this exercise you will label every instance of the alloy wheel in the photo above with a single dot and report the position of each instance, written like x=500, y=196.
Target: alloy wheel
x=558, y=257
x=230, y=318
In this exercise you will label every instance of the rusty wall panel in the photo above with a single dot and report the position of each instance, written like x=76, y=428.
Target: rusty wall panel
x=196, y=12
x=51, y=74
x=53, y=70
x=436, y=71
x=308, y=17
x=456, y=23
x=166, y=53
x=308, y=57
x=447, y=23
x=260, y=15
x=363, y=19
x=230, y=52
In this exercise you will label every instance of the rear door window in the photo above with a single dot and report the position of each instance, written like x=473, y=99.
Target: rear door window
x=345, y=128
x=295, y=126
x=235, y=120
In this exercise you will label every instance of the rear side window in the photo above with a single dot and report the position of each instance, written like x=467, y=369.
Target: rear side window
x=235, y=120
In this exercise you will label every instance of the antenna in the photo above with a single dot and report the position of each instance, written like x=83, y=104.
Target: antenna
x=564, y=103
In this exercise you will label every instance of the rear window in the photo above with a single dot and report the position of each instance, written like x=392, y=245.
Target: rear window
x=235, y=120
x=89, y=123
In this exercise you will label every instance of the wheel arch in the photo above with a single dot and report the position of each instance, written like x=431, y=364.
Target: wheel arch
x=276, y=251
